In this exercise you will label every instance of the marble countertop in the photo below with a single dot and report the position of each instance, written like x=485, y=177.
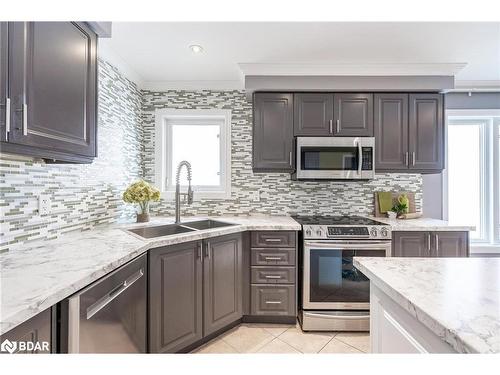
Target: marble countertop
x=422, y=224
x=34, y=278
x=456, y=298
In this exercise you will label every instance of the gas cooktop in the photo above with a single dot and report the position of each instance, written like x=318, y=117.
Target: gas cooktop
x=342, y=227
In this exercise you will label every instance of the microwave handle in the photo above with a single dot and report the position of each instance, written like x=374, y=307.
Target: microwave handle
x=360, y=158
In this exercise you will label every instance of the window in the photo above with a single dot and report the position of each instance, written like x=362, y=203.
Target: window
x=472, y=176
x=201, y=137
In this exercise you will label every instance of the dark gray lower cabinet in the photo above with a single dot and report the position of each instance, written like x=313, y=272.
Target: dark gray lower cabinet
x=33, y=336
x=430, y=244
x=195, y=289
x=222, y=282
x=175, y=295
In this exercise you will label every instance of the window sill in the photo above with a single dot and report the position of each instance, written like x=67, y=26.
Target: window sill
x=199, y=194
x=484, y=249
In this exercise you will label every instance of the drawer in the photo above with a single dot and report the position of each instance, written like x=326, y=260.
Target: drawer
x=273, y=275
x=273, y=239
x=273, y=257
x=273, y=300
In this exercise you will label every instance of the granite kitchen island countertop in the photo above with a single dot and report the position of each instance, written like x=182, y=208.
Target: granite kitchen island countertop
x=458, y=299
x=38, y=276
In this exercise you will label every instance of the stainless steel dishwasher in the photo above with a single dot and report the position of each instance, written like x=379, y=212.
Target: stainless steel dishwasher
x=108, y=316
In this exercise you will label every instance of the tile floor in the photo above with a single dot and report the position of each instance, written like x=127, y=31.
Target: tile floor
x=282, y=338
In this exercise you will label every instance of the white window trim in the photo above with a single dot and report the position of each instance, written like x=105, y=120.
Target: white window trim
x=492, y=184
x=162, y=157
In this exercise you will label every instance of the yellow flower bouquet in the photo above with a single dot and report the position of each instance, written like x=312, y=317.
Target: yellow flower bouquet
x=142, y=193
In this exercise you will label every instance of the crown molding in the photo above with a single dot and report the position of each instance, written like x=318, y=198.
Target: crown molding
x=477, y=86
x=193, y=85
x=106, y=53
x=351, y=69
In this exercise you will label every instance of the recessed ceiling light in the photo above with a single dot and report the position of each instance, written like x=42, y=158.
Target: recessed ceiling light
x=195, y=48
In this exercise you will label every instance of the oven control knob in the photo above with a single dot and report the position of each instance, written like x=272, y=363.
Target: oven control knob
x=308, y=232
x=383, y=232
x=319, y=233
x=373, y=232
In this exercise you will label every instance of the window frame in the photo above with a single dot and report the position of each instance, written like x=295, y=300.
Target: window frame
x=489, y=121
x=164, y=119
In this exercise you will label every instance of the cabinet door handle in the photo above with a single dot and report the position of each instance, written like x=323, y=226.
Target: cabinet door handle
x=338, y=126
x=407, y=159
x=7, y=117
x=272, y=258
x=436, y=238
x=272, y=240
x=25, y=119
x=331, y=126
x=273, y=302
x=413, y=158
x=429, y=243
x=272, y=277
x=290, y=159
x=200, y=248
x=207, y=250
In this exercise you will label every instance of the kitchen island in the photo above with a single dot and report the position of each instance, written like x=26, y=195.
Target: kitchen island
x=431, y=305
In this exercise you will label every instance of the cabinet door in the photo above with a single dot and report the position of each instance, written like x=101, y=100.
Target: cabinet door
x=222, y=282
x=411, y=244
x=175, y=297
x=313, y=114
x=426, y=139
x=353, y=115
x=53, y=83
x=273, y=132
x=4, y=90
x=450, y=244
x=391, y=132
x=35, y=335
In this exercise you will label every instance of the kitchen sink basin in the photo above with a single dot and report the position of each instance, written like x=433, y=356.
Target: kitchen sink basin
x=170, y=229
x=206, y=224
x=161, y=230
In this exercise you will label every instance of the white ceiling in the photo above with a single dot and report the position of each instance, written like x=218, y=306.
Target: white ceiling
x=156, y=54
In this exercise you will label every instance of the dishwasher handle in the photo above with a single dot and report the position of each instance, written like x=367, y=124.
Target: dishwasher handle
x=106, y=299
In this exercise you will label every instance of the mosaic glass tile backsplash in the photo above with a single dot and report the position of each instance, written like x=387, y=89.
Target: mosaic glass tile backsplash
x=85, y=195
x=81, y=195
x=266, y=193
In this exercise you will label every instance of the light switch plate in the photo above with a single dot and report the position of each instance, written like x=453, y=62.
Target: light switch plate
x=44, y=204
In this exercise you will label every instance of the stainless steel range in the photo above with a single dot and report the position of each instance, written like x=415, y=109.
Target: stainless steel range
x=335, y=295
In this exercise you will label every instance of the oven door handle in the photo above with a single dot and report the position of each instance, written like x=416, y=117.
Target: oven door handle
x=381, y=245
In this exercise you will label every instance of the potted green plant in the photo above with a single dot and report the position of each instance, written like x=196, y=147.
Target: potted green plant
x=401, y=206
x=142, y=193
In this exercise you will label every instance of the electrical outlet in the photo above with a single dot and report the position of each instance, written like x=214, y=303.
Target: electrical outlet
x=43, y=204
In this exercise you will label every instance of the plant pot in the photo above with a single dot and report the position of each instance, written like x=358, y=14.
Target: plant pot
x=143, y=218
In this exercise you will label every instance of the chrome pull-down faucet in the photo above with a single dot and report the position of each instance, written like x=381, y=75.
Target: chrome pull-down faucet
x=178, y=189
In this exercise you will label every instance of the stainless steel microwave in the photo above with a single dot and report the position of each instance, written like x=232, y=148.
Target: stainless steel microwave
x=335, y=158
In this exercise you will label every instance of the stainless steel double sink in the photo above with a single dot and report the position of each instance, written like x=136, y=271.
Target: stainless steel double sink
x=171, y=229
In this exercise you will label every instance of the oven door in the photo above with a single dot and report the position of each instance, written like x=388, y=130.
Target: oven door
x=330, y=279
x=335, y=158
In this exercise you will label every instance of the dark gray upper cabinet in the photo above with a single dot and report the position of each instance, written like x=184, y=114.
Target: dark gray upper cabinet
x=37, y=330
x=52, y=78
x=451, y=244
x=430, y=244
x=4, y=88
x=426, y=139
x=313, y=114
x=391, y=132
x=222, y=275
x=273, y=132
x=175, y=295
x=353, y=115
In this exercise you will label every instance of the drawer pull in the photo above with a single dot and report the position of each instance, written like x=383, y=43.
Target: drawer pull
x=272, y=258
x=272, y=277
x=273, y=240
x=273, y=302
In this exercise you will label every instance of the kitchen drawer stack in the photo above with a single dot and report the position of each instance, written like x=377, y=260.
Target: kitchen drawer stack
x=273, y=274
